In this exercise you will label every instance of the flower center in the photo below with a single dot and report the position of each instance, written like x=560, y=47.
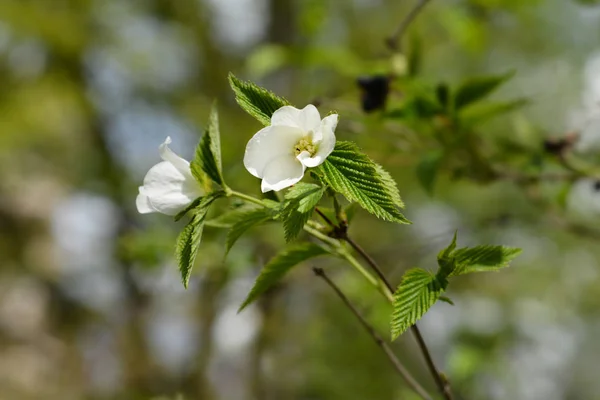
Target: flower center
x=305, y=144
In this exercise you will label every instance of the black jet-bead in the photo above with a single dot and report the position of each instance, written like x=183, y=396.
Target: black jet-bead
x=375, y=90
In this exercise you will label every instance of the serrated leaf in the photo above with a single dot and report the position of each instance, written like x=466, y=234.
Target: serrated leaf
x=279, y=265
x=293, y=222
x=483, y=258
x=445, y=253
x=445, y=258
x=189, y=239
x=307, y=195
x=427, y=169
x=390, y=185
x=300, y=203
x=417, y=292
x=256, y=101
x=477, y=88
x=208, y=152
x=245, y=221
x=350, y=172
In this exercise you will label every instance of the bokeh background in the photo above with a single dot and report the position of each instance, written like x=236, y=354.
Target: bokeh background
x=91, y=304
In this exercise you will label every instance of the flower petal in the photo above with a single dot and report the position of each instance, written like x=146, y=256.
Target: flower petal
x=168, y=190
x=182, y=165
x=307, y=119
x=282, y=172
x=324, y=138
x=268, y=144
x=142, y=203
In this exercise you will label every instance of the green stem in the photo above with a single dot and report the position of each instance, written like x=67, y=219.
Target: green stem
x=245, y=197
x=335, y=244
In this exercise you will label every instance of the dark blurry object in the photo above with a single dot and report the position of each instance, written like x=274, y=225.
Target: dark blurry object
x=442, y=92
x=375, y=90
x=559, y=146
x=597, y=186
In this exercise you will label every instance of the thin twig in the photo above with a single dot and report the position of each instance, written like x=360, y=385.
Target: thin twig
x=325, y=217
x=441, y=382
x=394, y=41
x=414, y=385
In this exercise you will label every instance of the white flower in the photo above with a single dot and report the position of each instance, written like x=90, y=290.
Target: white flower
x=169, y=185
x=296, y=139
x=583, y=201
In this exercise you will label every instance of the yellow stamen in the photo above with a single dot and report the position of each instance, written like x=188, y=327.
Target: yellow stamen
x=305, y=144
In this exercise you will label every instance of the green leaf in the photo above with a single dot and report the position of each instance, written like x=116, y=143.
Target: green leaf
x=307, y=195
x=350, y=172
x=428, y=168
x=245, y=221
x=300, y=203
x=211, y=197
x=479, y=113
x=228, y=218
x=189, y=239
x=445, y=258
x=446, y=300
x=417, y=292
x=208, y=152
x=256, y=101
x=189, y=208
x=390, y=185
x=279, y=266
x=483, y=258
x=477, y=88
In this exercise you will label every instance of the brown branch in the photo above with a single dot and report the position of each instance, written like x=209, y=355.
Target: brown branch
x=394, y=41
x=441, y=382
x=400, y=368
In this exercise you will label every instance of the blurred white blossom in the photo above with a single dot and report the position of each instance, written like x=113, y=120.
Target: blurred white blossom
x=583, y=201
x=169, y=185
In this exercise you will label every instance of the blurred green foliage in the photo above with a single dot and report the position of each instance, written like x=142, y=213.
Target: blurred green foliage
x=90, y=301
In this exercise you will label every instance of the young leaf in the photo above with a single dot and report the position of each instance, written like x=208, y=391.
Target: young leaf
x=279, y=266
x=446, y=259
x=245, y=221
x=188, y=241
x=350, y=172
x=300, y=203
x=208, y=152
x=256, y=101
x=483, y=258
x=293, y=222
x=475, y=89
x=417, y=292
x=306, y=195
